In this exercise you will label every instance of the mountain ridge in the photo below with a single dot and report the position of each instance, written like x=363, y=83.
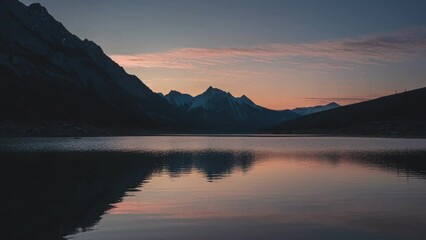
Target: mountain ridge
x=237, y=112
x=174, y=96
x=58, y=76
x=397, y=114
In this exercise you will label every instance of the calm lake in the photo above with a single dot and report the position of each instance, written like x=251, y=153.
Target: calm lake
x=213, y=187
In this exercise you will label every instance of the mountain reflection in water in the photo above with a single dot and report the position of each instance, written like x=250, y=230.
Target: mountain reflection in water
x=51, y=195
x=55, y=194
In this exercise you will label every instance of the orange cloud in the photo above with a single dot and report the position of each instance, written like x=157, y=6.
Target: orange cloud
x=345, y=53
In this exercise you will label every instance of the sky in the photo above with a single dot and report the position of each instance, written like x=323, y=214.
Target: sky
x=280, y=53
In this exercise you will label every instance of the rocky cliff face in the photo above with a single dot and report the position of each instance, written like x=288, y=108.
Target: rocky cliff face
x=47, y=73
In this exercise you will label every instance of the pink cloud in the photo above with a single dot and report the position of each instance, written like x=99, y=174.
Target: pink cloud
x=379, y=49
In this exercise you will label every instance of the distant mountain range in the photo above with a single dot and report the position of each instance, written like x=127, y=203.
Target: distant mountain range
x=398, y=114
x=220, y=110
x=49, y=75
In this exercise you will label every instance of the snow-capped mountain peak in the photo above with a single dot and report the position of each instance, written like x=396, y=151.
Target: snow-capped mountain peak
x=212, y=96
x=208, y=99
x=215, y=91
x=310, y=110
x=220, y=108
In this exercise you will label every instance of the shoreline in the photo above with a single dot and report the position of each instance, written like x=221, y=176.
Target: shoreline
x=80, y=130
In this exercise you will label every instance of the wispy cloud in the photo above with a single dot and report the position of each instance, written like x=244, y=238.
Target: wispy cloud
x=346, y=53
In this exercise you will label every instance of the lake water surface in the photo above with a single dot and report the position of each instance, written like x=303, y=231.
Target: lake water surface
x=207, y=187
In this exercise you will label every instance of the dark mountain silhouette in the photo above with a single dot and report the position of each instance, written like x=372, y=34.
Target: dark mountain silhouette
x=403, y=113
x=54, y=194
x=49, y=74
x=218, y=109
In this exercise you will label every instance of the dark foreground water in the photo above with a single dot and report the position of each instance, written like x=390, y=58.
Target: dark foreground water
x=213, y=188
